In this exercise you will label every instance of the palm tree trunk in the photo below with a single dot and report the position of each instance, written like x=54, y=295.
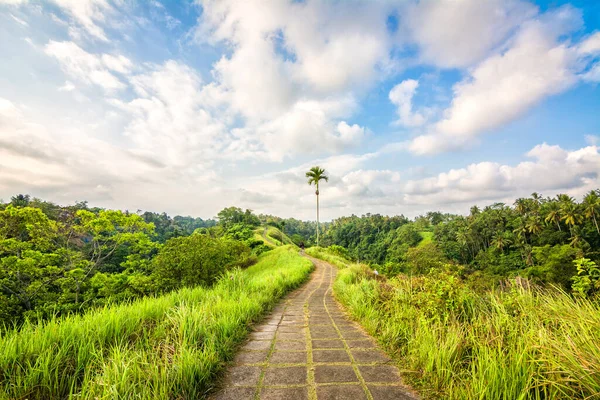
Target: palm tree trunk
x=318, y=217
x=596, y=222
x=558, y=224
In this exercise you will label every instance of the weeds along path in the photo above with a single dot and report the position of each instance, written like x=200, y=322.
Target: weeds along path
x=308, y=349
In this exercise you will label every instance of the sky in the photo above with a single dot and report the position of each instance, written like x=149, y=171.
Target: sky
x=191, y=106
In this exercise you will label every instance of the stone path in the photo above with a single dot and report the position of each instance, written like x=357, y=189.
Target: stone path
x=308, y=349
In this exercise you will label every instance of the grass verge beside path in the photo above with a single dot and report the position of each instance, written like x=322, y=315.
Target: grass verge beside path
x=170, y=347
x=457, y=344
x=325, y=255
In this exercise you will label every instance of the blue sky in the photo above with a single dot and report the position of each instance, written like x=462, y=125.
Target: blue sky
x=191, y=106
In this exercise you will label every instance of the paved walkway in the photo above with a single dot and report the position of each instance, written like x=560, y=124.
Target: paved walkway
x=308, y=349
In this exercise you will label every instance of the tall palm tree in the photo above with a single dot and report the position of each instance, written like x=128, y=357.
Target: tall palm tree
x=553, y=214
x=315, y=175
x=501, y=241
x=569, y=212
x=591, y=205
x=533, y=225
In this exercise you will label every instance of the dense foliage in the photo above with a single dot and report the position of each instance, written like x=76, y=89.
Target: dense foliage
x=538, y=238
x=58, y=260
x=169, y=347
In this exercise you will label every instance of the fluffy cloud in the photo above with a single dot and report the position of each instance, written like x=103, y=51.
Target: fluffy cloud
x=460, y=33
x=13, y=2
x=504, y=86
x=352, y=188
x=291, y=67
x=35, y=158
x=401, y=95
x=552, y=169
x=166, y=119
x=90, y=14
x=89, y=68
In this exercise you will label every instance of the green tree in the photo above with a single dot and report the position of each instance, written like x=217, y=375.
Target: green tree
x=591, y=205
x=315, y=175
x=196, y=260
x=553, y=214
x=569, y=212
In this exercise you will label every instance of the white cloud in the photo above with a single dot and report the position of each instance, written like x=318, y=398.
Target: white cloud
x=290, y=71
x=19, y=20
x=401, y=95
x=13, y=2
x=552, y=169
x=67, y=87
x=90, y=14
x=89, y=68
x=354, y=188
x=454, y=33
x=504, y=86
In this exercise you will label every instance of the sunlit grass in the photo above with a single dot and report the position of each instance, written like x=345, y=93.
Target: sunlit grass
x=454, y=343
x=170, y=347
x=324, y=254
x=427, y=238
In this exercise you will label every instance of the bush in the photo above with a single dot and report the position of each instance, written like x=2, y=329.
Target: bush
x=338, y=251
x=197, y=260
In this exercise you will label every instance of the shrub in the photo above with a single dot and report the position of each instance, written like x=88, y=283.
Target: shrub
x=197, y=260
x=587, y=280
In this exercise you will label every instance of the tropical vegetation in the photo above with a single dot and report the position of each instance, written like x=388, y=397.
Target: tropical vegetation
x=167, y=347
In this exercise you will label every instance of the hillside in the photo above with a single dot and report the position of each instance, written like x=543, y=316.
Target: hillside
x=156, y=348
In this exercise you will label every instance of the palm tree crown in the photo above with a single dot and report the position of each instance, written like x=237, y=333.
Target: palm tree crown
x=316, y=174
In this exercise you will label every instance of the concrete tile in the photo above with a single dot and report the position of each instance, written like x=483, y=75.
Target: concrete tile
x=257, y=345
x=295, y=393
x=291, y=336
x=327, y=344
x=329, y=356
x=247, y=376
x=324, y=334
x=389, y=393
x=341, y=392
x=262, y=335
x=380, y=373
x=285, y=376
x=288, y=357
x=361, y=343
x=290, y=345
x=265, y=328
x=235, y=393
x=251, y=357
x=355, y=335
x=334, y=373
x=369, y=356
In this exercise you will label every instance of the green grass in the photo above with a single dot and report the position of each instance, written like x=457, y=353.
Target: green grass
x=456, y=344
x=326, y=255
x=427, y=238
x=275, y=235
x=170, y=347
x=258, y=235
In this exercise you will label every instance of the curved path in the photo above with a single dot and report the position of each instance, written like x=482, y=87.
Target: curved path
x=308, y=349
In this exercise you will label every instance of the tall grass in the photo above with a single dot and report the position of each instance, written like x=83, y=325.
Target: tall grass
x=169, y=347
x=457, y=344
x=324, y=254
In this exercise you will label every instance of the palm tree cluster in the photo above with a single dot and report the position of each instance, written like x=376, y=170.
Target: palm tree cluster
x=532, y=222
x=536, y=237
